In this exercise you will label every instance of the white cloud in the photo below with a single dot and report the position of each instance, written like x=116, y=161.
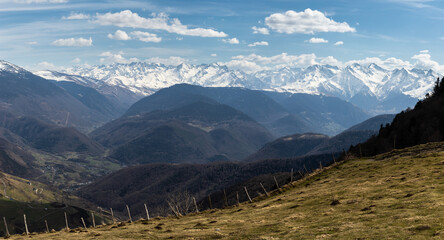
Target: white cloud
x=389, y=63
x=424, y=61
x=214, y=55
x=261, y=43
x=254, y=63
x=146, y=36
x=109, y=57
x=119, y=35
x=307, y=22
x=32, y=43
x=339, y=43
x=231, y=41
x=127, y=18
x=317, y=40
x=258, y=30
x=424, y=51
x=170, y=61
x=76, y=60
x=73, y=42
x=39, y=1
x=76, y=16
x=47, y=66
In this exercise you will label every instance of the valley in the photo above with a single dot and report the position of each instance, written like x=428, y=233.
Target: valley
x=349, y=200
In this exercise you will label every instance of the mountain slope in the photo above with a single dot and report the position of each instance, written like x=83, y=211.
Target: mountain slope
x=281, y=113
x=24, y=93
x=368, y=86
x=198, y=132
x=154, y=183
x=48, y=137
x=425, y=123
x=396, y=195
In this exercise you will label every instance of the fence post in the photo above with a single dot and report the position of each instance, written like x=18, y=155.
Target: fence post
x=112, y=215
x=147, y=213
x=225, y=199
x=266, y=193
x=248, y=195
x=195, y=204
x=26, y=225
x=83, y=221
x=209, y=200
x=94, y=220
x=6, y=227
x=47, y=228
x=66, y=221
x=277, y=185
x=129, y=213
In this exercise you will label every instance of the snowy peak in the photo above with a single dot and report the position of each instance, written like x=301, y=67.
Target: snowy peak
x=9, y=67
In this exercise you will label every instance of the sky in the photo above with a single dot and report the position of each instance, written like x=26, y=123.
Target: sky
x=250, y=35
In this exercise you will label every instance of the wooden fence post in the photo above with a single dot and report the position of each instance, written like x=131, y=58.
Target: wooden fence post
x=248, y=195
x=225, y=199
x=83, y=221
x=66, y=221
x=26, y=225
x=6, y=227
x=209, y=200
x=237, y=198
x=47, y=228
x=266, y=193
x=129, y=213
x=112, y=215
x=291, y=176
x=147, y=213
x=277, y=185
x=195, y=204
x=94, y=220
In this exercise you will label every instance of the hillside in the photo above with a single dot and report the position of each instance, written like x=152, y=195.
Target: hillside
x=199, y=132
x=281, y=113
x=39, y=202
x=424, y=123
x=397, y=195
x=26, y=94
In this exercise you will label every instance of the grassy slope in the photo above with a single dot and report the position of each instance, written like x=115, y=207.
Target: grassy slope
x=398, y=195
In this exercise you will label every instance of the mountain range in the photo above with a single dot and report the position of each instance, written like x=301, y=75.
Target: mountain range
x=370, y=86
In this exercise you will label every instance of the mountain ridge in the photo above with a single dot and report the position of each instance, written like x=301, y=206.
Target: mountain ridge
x=348, y=82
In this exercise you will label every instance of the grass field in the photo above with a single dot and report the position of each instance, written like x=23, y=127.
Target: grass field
x=398, y=195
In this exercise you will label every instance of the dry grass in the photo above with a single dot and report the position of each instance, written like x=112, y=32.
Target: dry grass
x=399, y=195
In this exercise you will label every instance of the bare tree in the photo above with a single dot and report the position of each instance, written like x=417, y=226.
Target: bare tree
x=180, y=203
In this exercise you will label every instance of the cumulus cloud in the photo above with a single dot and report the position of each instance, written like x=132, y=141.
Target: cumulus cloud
x=424, y=61
x=76, y=60
x=76, y=16
x=424, y=51
x=254, y=63
x=317, y=40
x=39, y=1
x=119, y=35
x=170, y=61
x=389, y=63
x=307, y=22
x=47, y=66
x=162, y=21
x=261, y=43
x=73, y=42
x=146, y=36
x=339, y=43
x=231, y=41
x=109, y=57
x=259, y=30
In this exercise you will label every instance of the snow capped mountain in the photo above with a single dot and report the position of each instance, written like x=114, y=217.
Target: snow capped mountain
x=352, y=83
x=9, y=67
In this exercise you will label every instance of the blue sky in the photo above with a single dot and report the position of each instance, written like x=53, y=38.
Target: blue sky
x=249, y=35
